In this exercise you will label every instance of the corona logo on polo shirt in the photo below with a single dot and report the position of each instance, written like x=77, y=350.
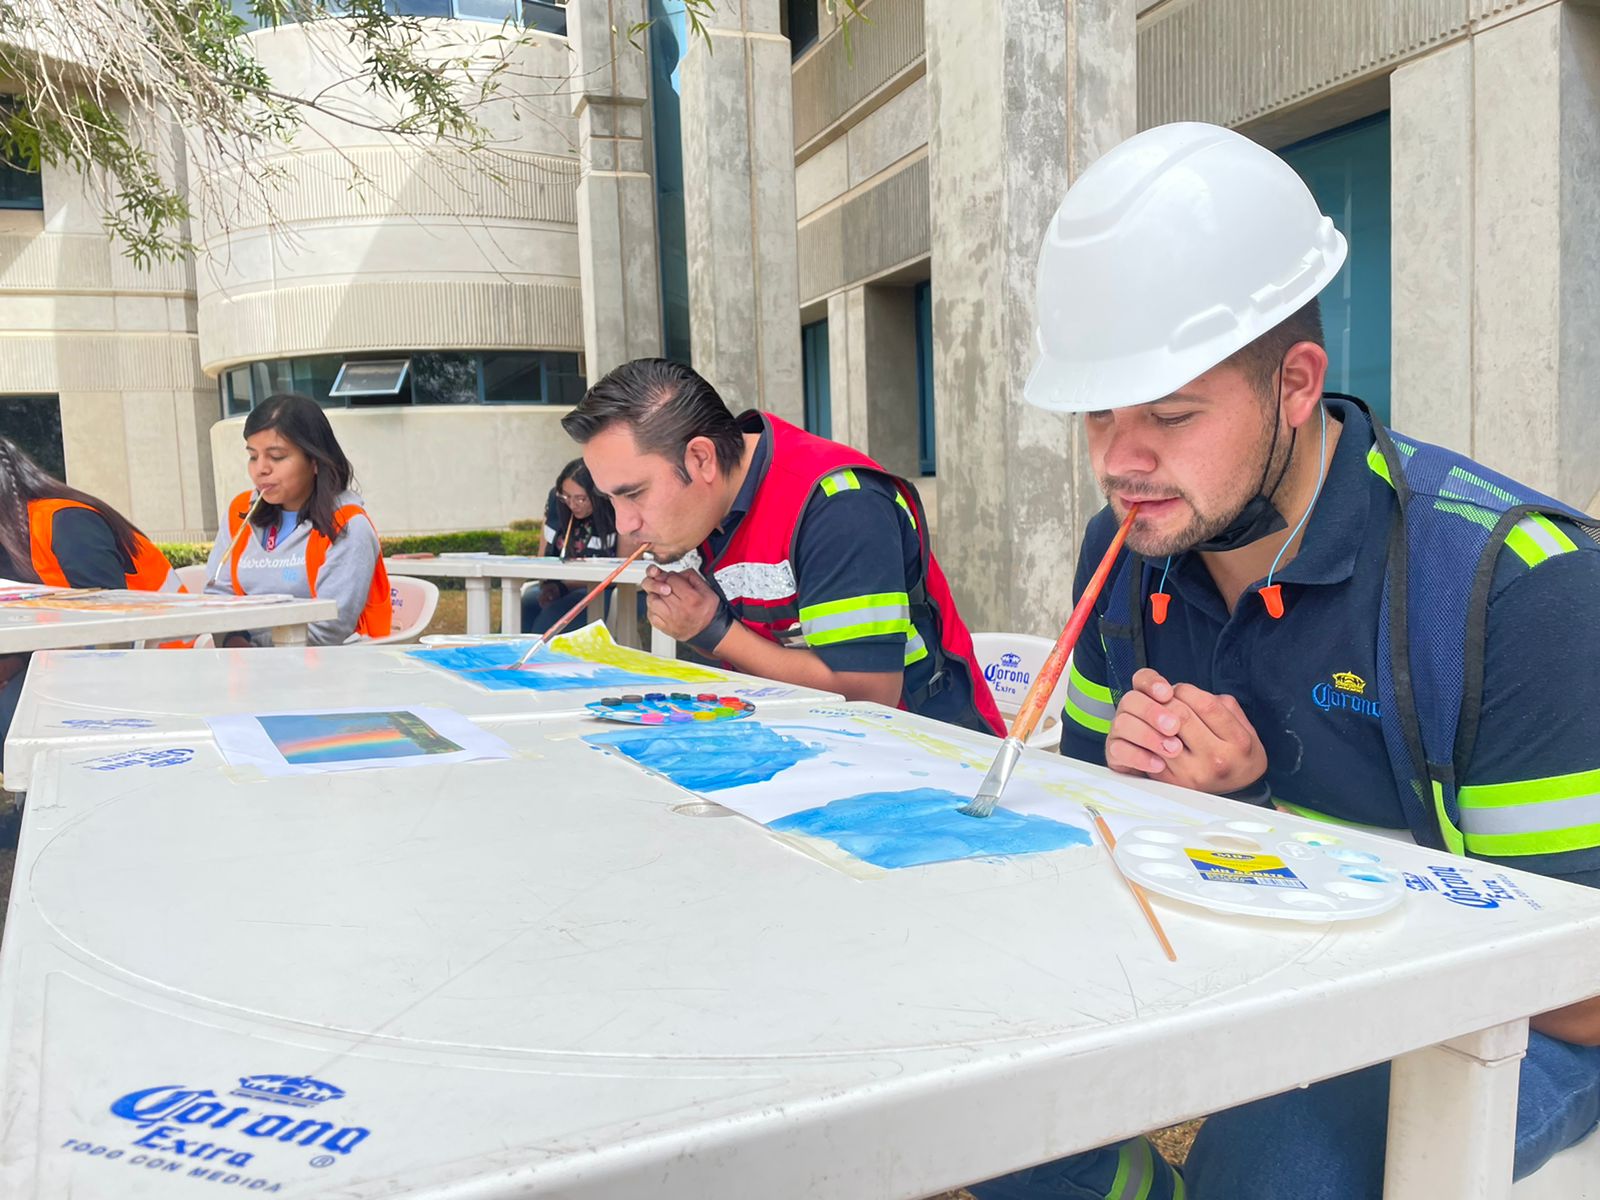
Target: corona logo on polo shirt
x=1346, y=690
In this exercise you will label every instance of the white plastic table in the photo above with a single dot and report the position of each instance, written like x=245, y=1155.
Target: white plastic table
x=25, y=629
x=479, y=570
x=108, y=699
x=551, y=977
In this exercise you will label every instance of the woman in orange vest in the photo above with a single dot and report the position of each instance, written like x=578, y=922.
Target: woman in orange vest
x=303, y=532
x=54, y=534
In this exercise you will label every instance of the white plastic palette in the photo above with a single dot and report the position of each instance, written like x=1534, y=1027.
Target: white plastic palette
x=1259, y=870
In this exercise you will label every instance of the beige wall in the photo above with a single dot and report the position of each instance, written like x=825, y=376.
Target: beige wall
x=117, y=344
x=433, y=469
x=374, y=245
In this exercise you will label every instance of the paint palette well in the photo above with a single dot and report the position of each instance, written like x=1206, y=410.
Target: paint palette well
x=1258, y=869
x=670, y=708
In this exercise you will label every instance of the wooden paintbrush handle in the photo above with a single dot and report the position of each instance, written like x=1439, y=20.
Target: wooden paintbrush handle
x=1044, y=683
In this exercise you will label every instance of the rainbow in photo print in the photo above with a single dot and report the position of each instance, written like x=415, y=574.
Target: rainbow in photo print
x=305, y=739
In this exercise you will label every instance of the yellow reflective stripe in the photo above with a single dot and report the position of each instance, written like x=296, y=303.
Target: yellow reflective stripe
x=1379, y=464
x=855, y=617
x=910, y=516
x=1091, y=689
x=1533, y=816
x=1453, y=840
x=1136, y=1171
x=1536, y=538
x=840, y=481
x=1177, y=1183
x=1510, y=845
x=1311, y=814
x=1531, y=791
x=916, y=648
x=1088, y=703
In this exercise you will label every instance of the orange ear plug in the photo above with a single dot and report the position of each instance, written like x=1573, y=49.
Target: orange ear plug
x=1272, y=597
x=1158, y=607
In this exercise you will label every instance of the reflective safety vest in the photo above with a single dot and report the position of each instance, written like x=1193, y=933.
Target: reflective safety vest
x=148, y=572
x=1453, y=519
x=755, y=571
x=377, y=615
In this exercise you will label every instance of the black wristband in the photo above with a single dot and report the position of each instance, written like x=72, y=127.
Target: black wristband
x=709, y=638
x=1258, y=793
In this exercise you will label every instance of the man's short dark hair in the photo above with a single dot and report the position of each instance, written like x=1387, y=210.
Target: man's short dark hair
x=665, y=405
x=1260, y=360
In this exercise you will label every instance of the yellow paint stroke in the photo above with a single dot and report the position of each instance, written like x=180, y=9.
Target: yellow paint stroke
x=594, y=644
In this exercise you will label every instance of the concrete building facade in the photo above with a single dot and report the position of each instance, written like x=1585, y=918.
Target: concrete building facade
x=840, y=224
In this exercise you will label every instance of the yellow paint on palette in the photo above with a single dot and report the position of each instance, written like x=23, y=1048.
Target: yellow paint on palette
x=594, y=643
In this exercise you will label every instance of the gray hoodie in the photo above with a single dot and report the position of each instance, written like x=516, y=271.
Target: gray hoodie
x=345, y=577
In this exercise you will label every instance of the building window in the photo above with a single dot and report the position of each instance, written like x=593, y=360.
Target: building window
x=1347, y=171
x=19, y=186
x=927, y=436
x=421, y=377
x=547, y=16
x=798, y=21
x=814, y=368
x=669, y=36
x=34, y=423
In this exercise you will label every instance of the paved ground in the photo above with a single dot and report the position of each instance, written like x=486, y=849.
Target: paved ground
x=451, y=618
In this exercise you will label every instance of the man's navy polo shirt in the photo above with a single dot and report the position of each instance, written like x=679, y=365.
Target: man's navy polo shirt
x=1308, y=681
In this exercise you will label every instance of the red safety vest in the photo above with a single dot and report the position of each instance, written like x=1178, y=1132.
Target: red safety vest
x=765, y=596
x=149, y=571
x=377, y=617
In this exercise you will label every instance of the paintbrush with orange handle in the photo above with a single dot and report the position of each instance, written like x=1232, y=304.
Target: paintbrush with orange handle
x=581, y=604
x=1138, y=892
x=1045, y=682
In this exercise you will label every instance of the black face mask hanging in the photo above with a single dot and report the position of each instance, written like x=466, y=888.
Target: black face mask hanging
x=1259, y=517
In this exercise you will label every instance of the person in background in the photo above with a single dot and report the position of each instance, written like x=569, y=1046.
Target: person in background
x=308, y=534
x=578, y=523
x=54, y=534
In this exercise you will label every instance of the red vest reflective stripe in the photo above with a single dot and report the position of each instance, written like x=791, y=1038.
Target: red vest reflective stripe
x=766, y=537
x=150, y=571
x=377, y=616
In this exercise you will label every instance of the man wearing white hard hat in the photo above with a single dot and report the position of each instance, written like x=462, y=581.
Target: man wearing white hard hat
x=1311, y=611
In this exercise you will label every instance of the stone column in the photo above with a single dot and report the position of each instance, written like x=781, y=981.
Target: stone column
x=1496, y=232
x=738, y=169
x=1024, y=95
x=616, y=192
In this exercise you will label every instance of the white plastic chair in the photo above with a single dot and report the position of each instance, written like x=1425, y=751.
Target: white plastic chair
x=193, y=578
x=414, y=603
x=1574, y=1174
x=1009, y=662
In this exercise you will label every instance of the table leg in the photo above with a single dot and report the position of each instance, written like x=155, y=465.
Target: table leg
x=1453, y=1117
x=478, y=606
x=662, y=644
x=511, y=606
x=625, y=615
x=289, y=635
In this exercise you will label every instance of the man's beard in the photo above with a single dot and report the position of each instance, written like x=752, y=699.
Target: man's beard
x=1201, y=526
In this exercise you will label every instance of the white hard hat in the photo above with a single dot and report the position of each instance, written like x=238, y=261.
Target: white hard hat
x=1175, y=249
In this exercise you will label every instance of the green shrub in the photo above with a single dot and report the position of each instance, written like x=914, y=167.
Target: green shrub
x=522, y=540
x=185, y=554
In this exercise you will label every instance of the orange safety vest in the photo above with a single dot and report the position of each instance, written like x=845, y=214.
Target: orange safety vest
x=377, y=617
x=150, y=570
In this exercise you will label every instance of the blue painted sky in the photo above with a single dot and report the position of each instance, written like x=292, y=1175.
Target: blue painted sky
x=910, y=828
x=547, y=673
x=711, y=757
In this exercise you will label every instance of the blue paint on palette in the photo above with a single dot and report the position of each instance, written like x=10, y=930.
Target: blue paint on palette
x=710, y=758
x=546, y=671
x=908, y=829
